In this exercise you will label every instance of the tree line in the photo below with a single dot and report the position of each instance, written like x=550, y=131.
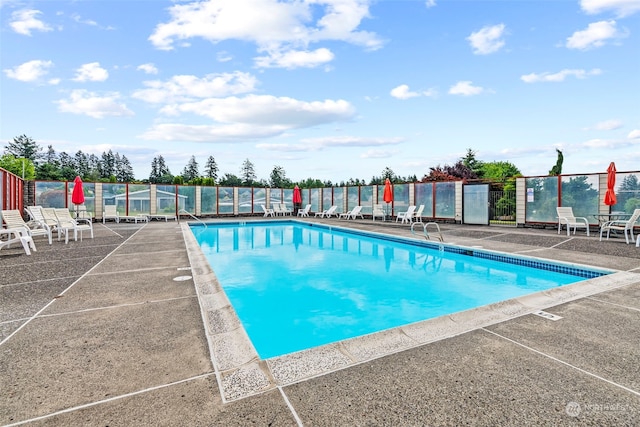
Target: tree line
x=25, y=157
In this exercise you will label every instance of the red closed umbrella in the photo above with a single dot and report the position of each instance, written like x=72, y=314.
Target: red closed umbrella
x=610, y=196
x=387, y=196
x=77, y=197
x=297, y=199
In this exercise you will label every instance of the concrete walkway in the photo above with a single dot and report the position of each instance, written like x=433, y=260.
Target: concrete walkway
x=109, y=331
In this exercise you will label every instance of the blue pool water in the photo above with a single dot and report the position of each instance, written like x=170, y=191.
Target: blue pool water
x=296, y=286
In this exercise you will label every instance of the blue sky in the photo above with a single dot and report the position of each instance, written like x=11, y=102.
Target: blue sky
x=328, y=89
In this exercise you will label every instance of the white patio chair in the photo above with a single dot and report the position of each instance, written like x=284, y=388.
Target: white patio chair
x=566, y=217
x=378, y=212
x=328, y=213
x=20, y=235
x=110, y=212
x=625, y=227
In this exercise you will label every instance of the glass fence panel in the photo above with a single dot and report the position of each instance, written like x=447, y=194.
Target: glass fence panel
x=275, y=197
x=139, y=199
x=338, y=199
x=287, y=198
x=366, y=199
x=209, y=200
x=245, y=205
x=400, y=198
x=424, y=196
x=627, y=191
x=327, y=199
x=315, y=199
x=225, y=200
x=353, y=197
x=50, y=194
x=581, y=193
x=259, y=198
x=542, y=199
x=187, y=198
x=115, y=194
x=166, y=200
x=445, y=199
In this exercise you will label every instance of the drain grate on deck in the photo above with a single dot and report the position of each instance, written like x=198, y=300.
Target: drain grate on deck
x=546, y=315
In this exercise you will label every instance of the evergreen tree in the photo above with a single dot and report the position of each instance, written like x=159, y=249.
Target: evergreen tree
x=388, y=173
x=82, y=165
x=124, y=171
x=67, y=166
x=470, y=161
x=557, y=168
x=211, y=169
x=191, y=171
x=247, y=173
x=107, y=165
x=25, y=147
x=230, y=180
x=278, y=178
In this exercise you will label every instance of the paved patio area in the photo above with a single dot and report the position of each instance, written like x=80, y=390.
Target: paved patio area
x=110, y=331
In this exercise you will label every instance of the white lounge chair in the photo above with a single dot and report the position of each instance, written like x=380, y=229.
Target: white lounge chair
x=267, y=211
x=37, y=213
x=624, y=226
x=407, y=216
x=13, y=219
x=66, y=223
x=566, y=217
x=285, y=210
x=328, y=213
x=304, y=212
x=417, y=215
x=378, y=212
x=20, y=235
x=353, y=213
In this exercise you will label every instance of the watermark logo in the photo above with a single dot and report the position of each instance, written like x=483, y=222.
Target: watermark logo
x=572, y=409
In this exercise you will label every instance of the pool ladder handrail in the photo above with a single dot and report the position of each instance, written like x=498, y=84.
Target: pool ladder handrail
x=182, y=211
x=426, y=232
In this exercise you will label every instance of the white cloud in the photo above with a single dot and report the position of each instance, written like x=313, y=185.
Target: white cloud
x=295, y=59
x=31, y=71
x=185, y=88
x=430, y=3
x=148, y=68
x=559, y=76
x=77, y=18
x=24, y=21
x=317, y=144
x=609, y=125
x=403, y=92
x=250, y=117
x=596, y=35
x=92, y=72
x=90, y=104
x=465, y=88
x=634, y=134
x=267, y=110
x=622, y=8
x=487, y=40
x=277, y=28
x=223, y=56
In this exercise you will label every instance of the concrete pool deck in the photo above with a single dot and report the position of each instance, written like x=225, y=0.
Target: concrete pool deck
x=109, y=331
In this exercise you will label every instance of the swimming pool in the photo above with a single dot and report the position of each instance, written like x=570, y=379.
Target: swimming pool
x=296, y=286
